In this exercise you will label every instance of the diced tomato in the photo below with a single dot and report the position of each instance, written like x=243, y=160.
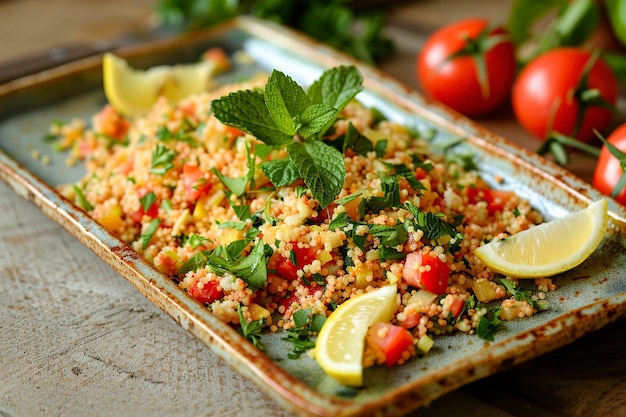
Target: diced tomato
x=196, y=184
x=325, y=214
x=423, y=270
x=207, y=294
x=412, y=319
x=390, y=340
x=286, y=269
x=287, y=302
x=456, y=308
x=110, y=123
x=233, y=133
x=420, y=173
x=496, y=199
x=153, y=210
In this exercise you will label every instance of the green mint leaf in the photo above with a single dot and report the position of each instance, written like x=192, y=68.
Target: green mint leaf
x=281, y=172
x=246, y=110
x=313, y=119
x=284, y=99
x=336, y=87
x=321, y=167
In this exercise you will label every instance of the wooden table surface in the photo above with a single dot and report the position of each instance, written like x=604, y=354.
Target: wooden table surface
x=76, y=339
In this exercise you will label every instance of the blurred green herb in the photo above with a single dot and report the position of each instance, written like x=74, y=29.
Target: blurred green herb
x=356, y=31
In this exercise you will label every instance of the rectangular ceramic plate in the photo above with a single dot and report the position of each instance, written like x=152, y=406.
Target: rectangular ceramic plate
x=588, y=297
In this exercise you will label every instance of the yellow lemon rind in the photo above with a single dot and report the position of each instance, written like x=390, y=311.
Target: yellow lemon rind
x=597, y=213
x=355, y=315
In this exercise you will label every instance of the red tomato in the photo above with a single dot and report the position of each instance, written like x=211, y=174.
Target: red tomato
x=152, y=211
x=457, y=306
x=412, y=319
x=496, y=199
x=389, y=340
x=448, y=67
x=207, y=294
x=608, y=169
x=546, y=94
x=196, y=185
x=287, y=269
x=432, y=277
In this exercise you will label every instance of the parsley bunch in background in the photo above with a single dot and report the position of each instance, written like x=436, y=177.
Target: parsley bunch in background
x=338, y=23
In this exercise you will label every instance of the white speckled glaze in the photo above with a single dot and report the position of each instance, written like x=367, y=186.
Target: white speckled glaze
x=589, y=297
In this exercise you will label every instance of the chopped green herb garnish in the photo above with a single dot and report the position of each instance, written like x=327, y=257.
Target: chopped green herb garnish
x=82, y=200
x=252, y=330
x=306, y=325
x=488, y=325
x=147, y=200
x=162, y=159
x=284, y=115
x=150, y=230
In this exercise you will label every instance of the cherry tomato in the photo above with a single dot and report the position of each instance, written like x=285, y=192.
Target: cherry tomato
x=468, y=66
x=207, y=294
x=390, y=340
x=608, y=169
x=549, y=94
x=423, y=270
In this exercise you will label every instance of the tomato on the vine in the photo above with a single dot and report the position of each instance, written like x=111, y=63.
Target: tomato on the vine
x=609, y=169
x=565, y=91
x=469, y=66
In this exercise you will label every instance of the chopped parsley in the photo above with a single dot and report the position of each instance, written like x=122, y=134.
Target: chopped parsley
x=82, y=200
x=162, y=159
x=150, y=231
x=252, y=330
x=306, y=325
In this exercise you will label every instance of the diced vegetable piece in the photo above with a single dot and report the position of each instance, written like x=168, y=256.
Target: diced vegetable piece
x=423, y=270
x=112, y=219
x=196, y=184
x=425, y=343
x=389, y=340
x=257, y=312
x=483, y=290
x=208, y=292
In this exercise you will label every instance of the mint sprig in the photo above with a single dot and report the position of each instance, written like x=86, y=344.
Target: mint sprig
x=285, y=115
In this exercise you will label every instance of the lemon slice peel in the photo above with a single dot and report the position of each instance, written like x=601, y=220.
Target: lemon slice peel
x=134, y=91
x=340, y=343
x=548, y=248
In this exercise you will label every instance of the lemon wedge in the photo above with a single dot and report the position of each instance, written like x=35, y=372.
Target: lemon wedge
x=340, y=343
x=549, y=248
x=133, y=91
